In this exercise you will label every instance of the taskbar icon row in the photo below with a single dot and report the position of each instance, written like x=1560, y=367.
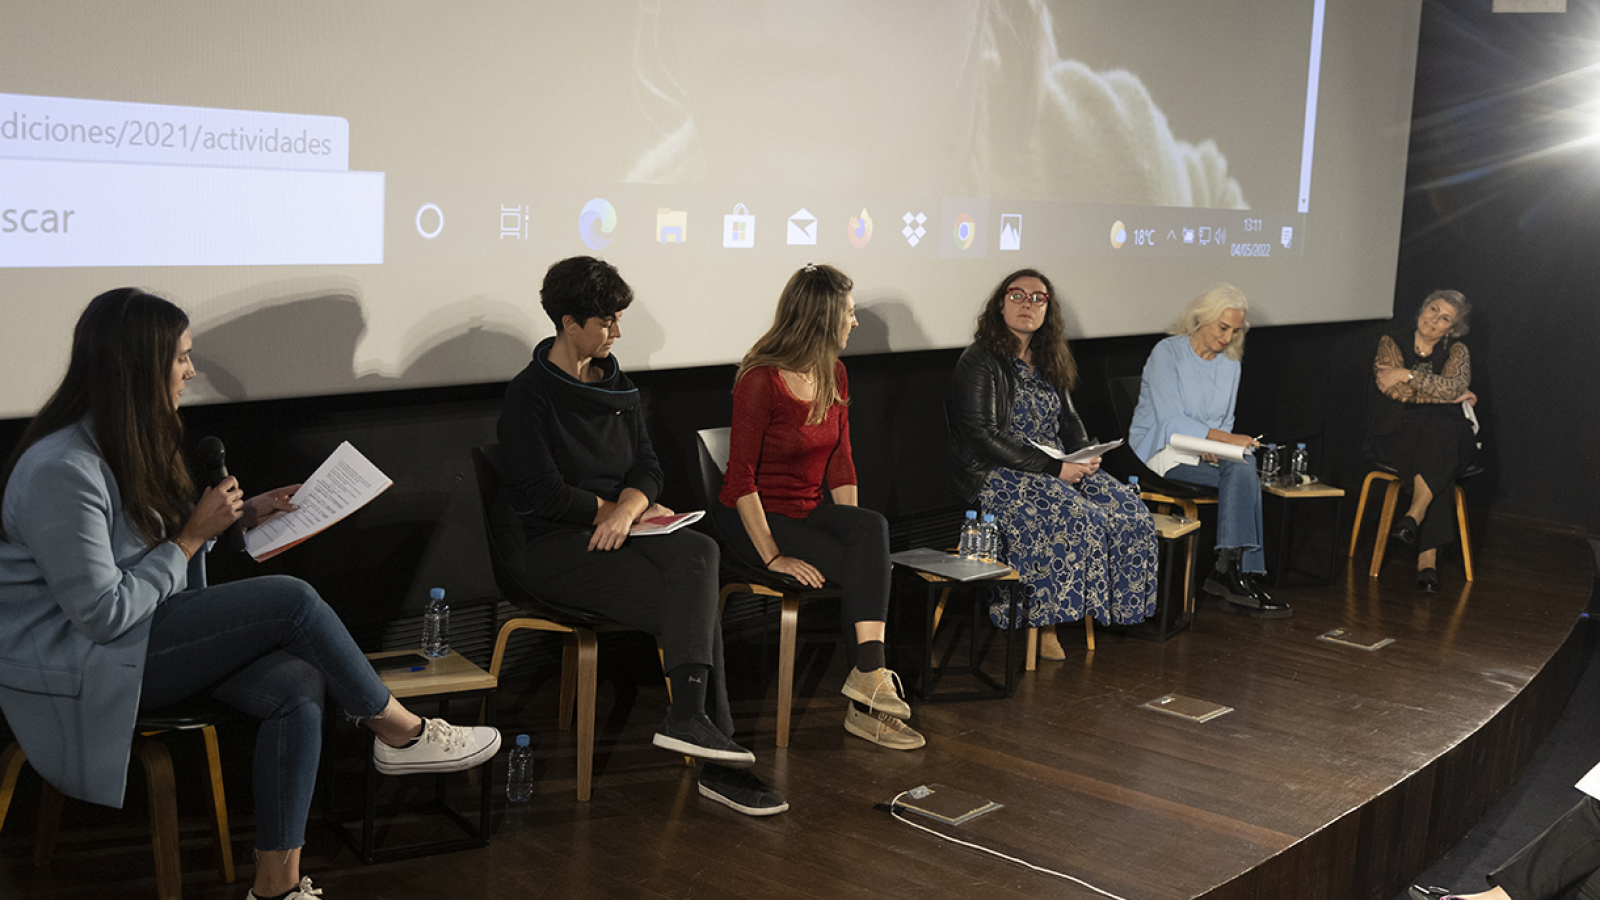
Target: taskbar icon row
x=598, y=221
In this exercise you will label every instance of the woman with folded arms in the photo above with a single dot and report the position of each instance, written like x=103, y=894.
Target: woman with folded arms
x=1415, y=422
x=1083, y=542
x=581, y=471
x=105, y=611
x=791, y=433
x=1189, y=387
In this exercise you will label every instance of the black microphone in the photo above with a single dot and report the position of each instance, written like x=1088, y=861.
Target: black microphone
x=214, y=456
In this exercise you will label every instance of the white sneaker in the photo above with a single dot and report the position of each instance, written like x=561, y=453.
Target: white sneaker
x=442, y=747
x=304, y=890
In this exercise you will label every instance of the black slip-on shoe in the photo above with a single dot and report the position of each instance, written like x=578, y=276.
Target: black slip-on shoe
x=698, y=737
x=740, y=790
x=1405, y=531
x=1428, y=580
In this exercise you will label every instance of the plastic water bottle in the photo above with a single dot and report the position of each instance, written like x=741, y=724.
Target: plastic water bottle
x=967, y=544
x=1268, y=464
x=1298, y=466
x=1133, y=482
x=988, y=539
x=436, y=625
x=519, y=771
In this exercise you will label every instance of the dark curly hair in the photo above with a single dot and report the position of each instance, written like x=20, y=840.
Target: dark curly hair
x=1048, y=346
x=583, y=287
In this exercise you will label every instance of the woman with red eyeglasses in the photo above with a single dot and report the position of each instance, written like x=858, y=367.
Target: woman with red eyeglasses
x=1083, y=542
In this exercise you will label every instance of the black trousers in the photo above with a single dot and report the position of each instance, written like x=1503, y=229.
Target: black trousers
x=847, y=544
x=1561, y=864
x=665, y=585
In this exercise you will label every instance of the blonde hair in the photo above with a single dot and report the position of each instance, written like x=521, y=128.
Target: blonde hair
x=1207, y=308
x=805, y=334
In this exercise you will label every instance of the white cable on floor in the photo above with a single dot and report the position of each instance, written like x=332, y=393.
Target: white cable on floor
x=894, y=807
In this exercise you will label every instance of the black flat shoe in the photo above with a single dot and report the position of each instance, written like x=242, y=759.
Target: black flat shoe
x=1405, y=531
x=1428, y=580
x=1231, y=585
x=1238, y=593
x=1256, y=588
x=1271, y=609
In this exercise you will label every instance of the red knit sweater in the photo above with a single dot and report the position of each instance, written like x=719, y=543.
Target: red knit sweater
x=772, y=450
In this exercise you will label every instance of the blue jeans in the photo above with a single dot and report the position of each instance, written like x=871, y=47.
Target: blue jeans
x=1238, y=506
x=271, y=648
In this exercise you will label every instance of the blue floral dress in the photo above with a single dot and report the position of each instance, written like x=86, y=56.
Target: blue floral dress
x=1088, y=548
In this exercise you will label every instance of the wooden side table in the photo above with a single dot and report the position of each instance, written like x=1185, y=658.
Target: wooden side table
x=446, y=679
x=939, y=591
x=1287, y=501
x=1175, y=593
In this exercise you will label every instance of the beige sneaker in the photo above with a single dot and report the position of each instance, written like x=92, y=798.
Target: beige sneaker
x=882, y=729
x=879, y=689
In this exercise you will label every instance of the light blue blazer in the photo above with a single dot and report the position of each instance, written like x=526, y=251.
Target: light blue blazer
x=78, y=584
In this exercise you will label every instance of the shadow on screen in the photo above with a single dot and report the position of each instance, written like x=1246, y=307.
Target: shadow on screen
x=885, y=325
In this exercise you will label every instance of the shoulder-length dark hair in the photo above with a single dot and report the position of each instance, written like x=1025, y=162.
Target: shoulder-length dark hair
x=805, y=333
x=1048, y=346
x=120, y=378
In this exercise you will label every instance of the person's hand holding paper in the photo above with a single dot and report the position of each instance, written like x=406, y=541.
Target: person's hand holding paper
x=1197, y=447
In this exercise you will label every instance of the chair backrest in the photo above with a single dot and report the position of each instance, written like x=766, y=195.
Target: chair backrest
x=1124, y=399
x=507, y=538
x=712, y=448
x=714, y=444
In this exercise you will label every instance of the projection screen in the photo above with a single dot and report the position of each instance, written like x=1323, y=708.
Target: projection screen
x=356, y=196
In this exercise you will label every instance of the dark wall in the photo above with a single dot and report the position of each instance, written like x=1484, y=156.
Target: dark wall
x=1491, y=210
x=1501, y=204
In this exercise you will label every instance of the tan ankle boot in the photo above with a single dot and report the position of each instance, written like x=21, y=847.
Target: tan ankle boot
x=1050, y=645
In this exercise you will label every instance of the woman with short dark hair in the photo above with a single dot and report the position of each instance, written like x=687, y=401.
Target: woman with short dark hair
x=581, y=472
x=105, y=611
x=1420, y=377
x=1083, y=542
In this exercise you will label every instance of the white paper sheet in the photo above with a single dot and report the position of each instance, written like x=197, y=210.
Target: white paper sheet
x=345, y=482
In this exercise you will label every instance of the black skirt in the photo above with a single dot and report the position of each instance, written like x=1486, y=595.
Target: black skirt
x=1436, y=441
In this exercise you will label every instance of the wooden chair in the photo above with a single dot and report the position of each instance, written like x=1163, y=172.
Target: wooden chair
x=196, y=714
x=739, y=577
x=1391, y=495
x=580, y=653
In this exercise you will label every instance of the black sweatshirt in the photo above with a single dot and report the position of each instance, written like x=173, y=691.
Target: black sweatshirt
x=566, y=442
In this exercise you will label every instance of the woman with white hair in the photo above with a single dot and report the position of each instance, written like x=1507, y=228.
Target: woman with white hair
x=1190, y=385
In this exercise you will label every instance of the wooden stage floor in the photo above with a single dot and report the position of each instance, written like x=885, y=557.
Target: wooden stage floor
x=1340, y=772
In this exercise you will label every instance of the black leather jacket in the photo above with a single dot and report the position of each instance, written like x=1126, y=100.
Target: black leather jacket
x=982, y=392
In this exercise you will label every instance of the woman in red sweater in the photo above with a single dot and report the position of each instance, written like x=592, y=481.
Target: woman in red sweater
x=791, y=431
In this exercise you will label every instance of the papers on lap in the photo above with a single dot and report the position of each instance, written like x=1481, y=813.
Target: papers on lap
x=1590, y=783
x=1186, y=444
x=345, y=482
x=665, y=524
x=1079, y=456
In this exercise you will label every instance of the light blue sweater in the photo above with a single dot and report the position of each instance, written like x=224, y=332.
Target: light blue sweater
x=1181, y=394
